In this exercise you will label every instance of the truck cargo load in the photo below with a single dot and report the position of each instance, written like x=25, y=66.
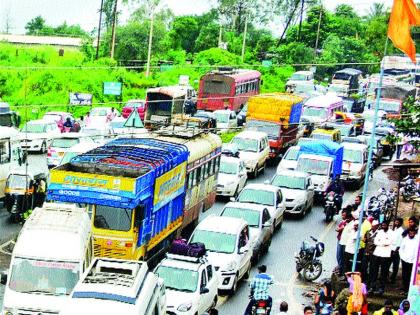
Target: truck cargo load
x=276, y=107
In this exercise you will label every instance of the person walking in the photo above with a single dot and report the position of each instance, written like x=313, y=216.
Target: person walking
x=350, y=248
x=381, y=257
x=344, y=236
x=395, y=255
x=408, y=252
x=87, y=120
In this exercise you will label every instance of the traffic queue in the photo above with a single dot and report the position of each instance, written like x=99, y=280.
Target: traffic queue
x=122, y=228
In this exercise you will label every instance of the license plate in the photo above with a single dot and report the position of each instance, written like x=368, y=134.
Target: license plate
x=260, y=311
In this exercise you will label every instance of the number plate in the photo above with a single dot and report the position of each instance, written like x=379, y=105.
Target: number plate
x=260, y=311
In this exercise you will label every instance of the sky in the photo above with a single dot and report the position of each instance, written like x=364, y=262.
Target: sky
x=85, y=12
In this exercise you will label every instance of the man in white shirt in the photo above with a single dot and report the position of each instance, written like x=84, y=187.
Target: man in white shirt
x=408, y=252
x=351, y=245
x=343, y=240
x=395, y=256
x=381, y=257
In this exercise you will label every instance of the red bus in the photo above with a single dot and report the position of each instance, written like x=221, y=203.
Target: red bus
x=227, y=87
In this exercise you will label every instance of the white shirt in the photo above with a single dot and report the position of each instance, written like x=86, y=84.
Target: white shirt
x=345, y=234
x=408, y=249
x=383, y=242
x=397, y=234
x=351, y=242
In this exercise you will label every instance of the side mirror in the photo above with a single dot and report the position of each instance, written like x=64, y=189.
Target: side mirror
x=204, y=290
x=243, y=250
x=232, y=199
x=3, y=277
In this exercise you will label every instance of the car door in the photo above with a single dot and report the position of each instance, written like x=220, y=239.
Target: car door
x=212, y=284
x=243, y=175
x=203, y=300
x=245, y=254
x=280, y=203
x=266, y=226
x=309, y=192
x=266, y=148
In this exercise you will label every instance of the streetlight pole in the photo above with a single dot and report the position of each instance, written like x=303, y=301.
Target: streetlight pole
x=149, y=52
x=99, y=29
x=244, y=41
x=114, y=24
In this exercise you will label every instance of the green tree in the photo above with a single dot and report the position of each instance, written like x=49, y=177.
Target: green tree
x=208, y=37
x=184, y=31
x=216, y=56
x=377, y=10
x=294, y=53
x=37, y=26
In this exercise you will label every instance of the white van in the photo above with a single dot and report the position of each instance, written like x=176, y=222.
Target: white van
x=52, y=251
x=253, y=149
x=354, y=163
x=112, y=286
x=228, y=246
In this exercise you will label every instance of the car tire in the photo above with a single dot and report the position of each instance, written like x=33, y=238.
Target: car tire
x=247, y=273
x=214, y=304
x=255, y=173
x=236, y=193
x=263, y=168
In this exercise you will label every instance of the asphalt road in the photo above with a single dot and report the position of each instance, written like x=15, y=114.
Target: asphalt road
x=280, y=259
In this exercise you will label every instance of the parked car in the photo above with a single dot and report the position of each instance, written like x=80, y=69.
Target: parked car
x=131, y=105
x=254, y=150
x=36, y=135
x=297, y=190
x=119, y=126
x=232, y=176
x=61, y=144
x=260, y=225
x=191, y=284
x=267, y=195
x=228, y=249
x=100, y=115
x=299, y=77
x=225, y=120
x=58, y=117
x=289, y=160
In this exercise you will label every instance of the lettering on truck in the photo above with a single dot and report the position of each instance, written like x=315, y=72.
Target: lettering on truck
x=83, y=181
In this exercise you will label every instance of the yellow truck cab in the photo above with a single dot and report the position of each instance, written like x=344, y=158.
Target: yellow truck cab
x=327, y=133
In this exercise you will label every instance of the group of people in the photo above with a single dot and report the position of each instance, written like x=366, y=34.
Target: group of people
x=84, y=121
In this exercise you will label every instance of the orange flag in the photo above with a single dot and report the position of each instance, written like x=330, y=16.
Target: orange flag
x=404, y=14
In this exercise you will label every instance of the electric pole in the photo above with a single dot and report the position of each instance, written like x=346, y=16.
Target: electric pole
x=317, y=32
x=301, y=18
x=244, y=41
x=114, y=24
x=99, y=29
x=149, y=51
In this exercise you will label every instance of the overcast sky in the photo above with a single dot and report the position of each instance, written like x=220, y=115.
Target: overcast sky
x=84, y=12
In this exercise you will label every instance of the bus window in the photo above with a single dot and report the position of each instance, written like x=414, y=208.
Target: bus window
x=195, y=176
x=4, y=152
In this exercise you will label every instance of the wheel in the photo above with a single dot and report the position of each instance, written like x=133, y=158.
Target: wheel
x=234, y=286
x=255, y=173
x=43, y=148
x=280, y=224
x=236, y=193
x=256, y=258
x=263, y=169
x=312, y=272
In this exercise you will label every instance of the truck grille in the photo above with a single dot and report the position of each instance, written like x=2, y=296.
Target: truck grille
x=104, y=251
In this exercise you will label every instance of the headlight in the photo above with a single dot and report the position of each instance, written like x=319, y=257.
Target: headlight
x=231, y=266
x=184, y=307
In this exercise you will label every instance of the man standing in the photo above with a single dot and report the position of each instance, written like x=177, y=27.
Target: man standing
x=381, y=257
x=408, y=252
x=367, y=260
x=339, y=230
x=351, y=246
x=395, y=256
x=259, y=289
x=343, y=238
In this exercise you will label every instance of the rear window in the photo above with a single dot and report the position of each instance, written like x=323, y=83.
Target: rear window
x=64, y=143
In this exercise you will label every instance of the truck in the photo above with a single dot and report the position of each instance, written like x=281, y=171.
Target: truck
x=51, y=252
x=8, y=118
x=323, y=161
x=136, y=191
x=278, y=115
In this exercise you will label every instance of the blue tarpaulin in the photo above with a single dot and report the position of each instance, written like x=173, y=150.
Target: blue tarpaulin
x=325, y=148
x=295, y=113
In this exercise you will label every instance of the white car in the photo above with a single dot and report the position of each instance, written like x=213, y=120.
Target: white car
x=253, y=149
x=354, y=163
x=36, y=135
x=228, y=249
x=297, y=190
x=100, y=115
x=191, y=284
x=267, y=195
x=232, y=176
x=225, y=120
x=77, y=149
x=289, y=159
x=260, y=225
x=60, y=145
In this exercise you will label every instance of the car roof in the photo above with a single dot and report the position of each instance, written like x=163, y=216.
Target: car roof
x=266, y=187
x=251, y=134
x=291, y=173
x=354, y=146
x=323, y=100
x=245, y=205
x=219, y=224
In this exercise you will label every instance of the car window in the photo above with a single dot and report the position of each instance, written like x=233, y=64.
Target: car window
x=209, y=272
x=279, y=197
x=203, y=280
x=266, y=216
x=243, y=238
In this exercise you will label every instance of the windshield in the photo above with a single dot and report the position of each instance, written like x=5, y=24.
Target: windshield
x=262, y=197
x=298, y=77
x=216, y=87
x=178, y=279
x=43, y=277
x=313, y=166
x=6, y=120
x=215, y=241
x=244, y=144
x=389, y=106
x=337, y=88
x=345, y=130
x=252, y=217
x=322, y=136
x=228, y=168
x=110, y=218
x=67, y=157
x=271, y=129
x=222, y=117
x=33, y=128
x=355, y=156
x=314, y=112
x=64, y=143
x=291, y=182
x=99, y=112
x=291, y=154
x=17, y=181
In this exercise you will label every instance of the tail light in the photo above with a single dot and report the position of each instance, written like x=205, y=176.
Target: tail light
x=262, y=304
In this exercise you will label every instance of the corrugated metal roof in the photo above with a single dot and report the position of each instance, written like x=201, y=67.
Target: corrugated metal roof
x=41, y=40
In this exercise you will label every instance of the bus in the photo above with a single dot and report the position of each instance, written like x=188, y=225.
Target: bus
x=227, y=88
x=142, y=192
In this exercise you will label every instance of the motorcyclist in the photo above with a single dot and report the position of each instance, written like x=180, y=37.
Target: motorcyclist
x=338, y=188
x=259, y=289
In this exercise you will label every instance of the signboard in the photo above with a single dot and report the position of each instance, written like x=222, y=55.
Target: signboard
x=267, y=63
x=80, y=99
x=169, y=185
x=112, y=88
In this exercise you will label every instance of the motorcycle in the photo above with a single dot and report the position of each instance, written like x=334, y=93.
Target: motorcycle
x=330, y=206
x=308, y=260
x=260, y=307
x=409, y=189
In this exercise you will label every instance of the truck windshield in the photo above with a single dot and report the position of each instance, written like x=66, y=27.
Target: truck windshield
x=313, y=166
x=354, y=156
x=215, y=241
x=389, y=106
x=298, y=77
x=314, y=112
x=43, y=277
x=252, y=217
x=262, y=197
x=291, y=182
x=6, y=120
x=110, y=218
x=178, y=279
x=271, y=129
x=244, y=144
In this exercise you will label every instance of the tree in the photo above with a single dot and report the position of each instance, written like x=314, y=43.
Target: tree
x=216, y=56
x=35, y=26
x=184, y=31
x=208, y=37
x=293, y=53
x=345, y=11
x=409, y=123
x=377, y=10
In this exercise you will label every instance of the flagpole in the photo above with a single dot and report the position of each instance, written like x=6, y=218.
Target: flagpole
x=370, y=152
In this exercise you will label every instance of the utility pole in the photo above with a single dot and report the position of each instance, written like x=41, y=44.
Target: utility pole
x=301, y=18
x=244, y=41
x=317, y=32
x=149, y=52
x=220, y=36
x=99, y=29
x=114, y=24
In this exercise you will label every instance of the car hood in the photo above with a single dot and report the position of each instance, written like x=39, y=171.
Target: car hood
x=176, y=298
x=295, y=194
x=36, y=302
x=319, y=179
x=247, y=156
x=287, y=164
x=220, y=259
x=223, y=178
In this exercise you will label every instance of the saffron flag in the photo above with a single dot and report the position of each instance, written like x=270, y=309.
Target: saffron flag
x=404, y=14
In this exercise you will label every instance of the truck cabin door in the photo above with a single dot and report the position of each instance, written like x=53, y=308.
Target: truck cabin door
x=141, y=227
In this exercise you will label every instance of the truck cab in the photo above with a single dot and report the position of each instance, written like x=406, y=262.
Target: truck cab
x=8, y=118
x=319, y=168
x=327, y=133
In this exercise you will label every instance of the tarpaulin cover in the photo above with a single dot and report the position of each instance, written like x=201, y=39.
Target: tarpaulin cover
x=325, y=148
